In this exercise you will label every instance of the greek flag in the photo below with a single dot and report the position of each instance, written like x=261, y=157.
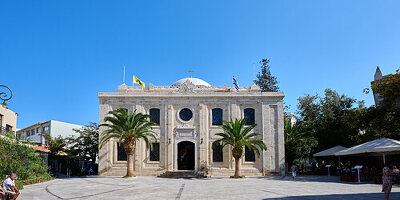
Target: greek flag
x=235, y=84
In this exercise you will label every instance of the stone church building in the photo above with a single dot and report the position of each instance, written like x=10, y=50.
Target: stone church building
x=188, y=114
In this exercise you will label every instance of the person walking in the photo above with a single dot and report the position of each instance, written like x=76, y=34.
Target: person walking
x=294, y=170
x=386, y=181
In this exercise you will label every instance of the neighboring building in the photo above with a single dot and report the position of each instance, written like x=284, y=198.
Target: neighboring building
x=377, y=77
x=8, y=120
x=53, y=128
x=188, y=114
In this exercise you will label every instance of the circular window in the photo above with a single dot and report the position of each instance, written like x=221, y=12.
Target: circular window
x=186, y=114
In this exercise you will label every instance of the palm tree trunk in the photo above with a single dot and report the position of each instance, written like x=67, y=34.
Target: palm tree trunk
x=237, y=154
x=237, y=168
x=130, y=152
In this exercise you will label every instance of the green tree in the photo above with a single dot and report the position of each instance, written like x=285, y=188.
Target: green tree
x=237, y=135
x=389, y=88
x=324, y=116
x=299, y=140
x=87, y=143
x=128, y=128
x=56, y=144
x=266, y=81
x=19, y=157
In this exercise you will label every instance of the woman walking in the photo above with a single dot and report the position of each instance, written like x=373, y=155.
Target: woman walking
x=386, y=181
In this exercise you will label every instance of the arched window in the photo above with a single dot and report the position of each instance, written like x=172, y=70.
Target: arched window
x=249, y=113
x=249, y=155
x=155, y=115
x=217, y=116
x=218, y=154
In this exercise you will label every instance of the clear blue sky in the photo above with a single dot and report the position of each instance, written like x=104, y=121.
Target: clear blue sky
x=56, y=55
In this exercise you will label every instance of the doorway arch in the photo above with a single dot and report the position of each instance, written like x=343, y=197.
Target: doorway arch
x=186, y=155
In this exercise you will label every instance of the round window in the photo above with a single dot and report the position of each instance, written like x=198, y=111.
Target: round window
x=186, y=114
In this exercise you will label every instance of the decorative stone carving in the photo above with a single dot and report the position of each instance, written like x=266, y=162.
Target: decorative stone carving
x=186, y=87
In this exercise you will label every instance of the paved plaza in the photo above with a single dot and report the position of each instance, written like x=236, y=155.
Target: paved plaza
x=309, y=187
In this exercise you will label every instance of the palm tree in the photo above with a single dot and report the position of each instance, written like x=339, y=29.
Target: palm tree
x=237, y=135
x=128, y=128
x=299, y=140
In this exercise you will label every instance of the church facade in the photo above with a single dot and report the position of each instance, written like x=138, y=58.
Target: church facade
x=188, y=115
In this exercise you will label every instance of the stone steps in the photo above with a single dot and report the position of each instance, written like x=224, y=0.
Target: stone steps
x=182, y=174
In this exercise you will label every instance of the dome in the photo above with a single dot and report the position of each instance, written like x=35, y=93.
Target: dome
x=195, y=81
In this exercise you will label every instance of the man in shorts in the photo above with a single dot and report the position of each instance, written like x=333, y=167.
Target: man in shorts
x=10, y=188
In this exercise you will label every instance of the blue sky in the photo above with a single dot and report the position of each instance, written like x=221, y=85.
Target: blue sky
x=56, y=55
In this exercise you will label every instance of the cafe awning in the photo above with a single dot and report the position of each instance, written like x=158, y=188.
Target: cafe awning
x=330, y=151
x=382, y=145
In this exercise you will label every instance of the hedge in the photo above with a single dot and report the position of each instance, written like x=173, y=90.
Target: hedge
x=20, y=158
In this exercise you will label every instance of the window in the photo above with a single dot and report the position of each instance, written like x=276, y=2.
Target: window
x=249, y=113
x=121, y=152
x=218, y=154
x=249, y=155
x=8, y=128
x=217, y=116
x=1, y=122
x=37, y=130
x=186, y=114
x=28, y=133
x=155, y=152
x=155, y=115
x=33, y=132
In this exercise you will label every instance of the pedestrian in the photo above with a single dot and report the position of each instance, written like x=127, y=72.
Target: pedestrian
x=386, y=181
x=294, y=170
x=10, y=188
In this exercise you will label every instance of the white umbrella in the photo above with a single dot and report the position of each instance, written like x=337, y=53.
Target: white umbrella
x=330, y=151
x=381, y=145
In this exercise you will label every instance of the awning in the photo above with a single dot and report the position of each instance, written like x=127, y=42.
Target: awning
x=330, y=151
x=381, y=145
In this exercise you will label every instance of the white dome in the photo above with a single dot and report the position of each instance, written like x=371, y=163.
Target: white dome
x=195, y=81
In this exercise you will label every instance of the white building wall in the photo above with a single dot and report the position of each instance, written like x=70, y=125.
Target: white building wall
x=199, y=130
x=63, y=129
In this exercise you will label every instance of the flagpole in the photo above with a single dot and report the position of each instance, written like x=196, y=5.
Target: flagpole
x=124, y=75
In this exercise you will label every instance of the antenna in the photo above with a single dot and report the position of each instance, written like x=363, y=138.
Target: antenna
x=191, y=71
x=123, y=79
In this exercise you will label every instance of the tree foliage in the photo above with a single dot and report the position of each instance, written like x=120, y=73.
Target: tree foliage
x=128, y=128
x=56, y=144
x=237, y=135
x=300, y=140
x=389, y=87
x=324, y=116
x=20, y=158
x=266, y=81
x=86, y=145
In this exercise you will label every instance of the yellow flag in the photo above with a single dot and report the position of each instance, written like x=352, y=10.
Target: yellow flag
x=137, y=81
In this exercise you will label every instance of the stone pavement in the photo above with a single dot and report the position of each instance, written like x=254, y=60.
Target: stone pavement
x=308, y=187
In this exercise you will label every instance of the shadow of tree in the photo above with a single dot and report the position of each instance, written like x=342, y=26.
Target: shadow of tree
x=358, y=196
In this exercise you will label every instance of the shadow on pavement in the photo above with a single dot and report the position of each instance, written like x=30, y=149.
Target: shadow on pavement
x=325, y=179
x=363, y=196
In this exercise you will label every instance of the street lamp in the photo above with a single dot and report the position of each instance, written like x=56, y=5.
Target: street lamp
x=5, y=96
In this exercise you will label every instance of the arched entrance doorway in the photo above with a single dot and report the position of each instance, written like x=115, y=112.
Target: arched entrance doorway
x=186, y=155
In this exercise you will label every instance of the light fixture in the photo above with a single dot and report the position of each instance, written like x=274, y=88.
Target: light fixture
x=201, y=141
x=169, y=140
